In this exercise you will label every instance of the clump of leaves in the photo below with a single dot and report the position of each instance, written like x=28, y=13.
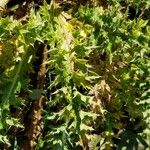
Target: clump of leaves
x=99, y=77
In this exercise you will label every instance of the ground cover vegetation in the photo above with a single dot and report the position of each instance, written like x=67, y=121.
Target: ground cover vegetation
x=75, y=75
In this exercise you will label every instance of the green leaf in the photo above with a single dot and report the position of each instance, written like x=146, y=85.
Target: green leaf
x=35, y=94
